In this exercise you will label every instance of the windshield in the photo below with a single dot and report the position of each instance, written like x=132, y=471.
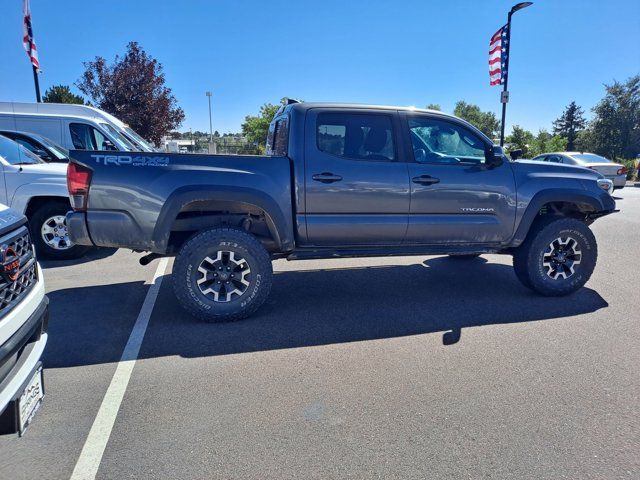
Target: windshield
x=61, y=153
x=138, y=139
x=15, y=154
x=590, y=158
x=122, y=142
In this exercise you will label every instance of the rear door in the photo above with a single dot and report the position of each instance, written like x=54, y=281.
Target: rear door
x=455, y=196
x=356, y=179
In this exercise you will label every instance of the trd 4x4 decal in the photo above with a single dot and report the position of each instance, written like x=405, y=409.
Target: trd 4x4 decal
x=136, y=161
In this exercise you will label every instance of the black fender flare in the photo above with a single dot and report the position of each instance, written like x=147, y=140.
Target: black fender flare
x=281, y=230
x=599, y=203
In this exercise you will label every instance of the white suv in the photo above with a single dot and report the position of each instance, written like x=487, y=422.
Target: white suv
x=24, y=315
x=39, y=190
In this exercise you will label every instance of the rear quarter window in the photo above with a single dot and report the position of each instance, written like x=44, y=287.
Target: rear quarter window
x=281, y=137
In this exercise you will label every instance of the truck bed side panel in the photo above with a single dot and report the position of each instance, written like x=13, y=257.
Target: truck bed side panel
x=134, y=197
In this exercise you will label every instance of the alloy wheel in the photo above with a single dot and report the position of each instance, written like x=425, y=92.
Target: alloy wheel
x=224, y=277
x=561, y=258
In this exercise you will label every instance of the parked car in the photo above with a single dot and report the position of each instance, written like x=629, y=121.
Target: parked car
x=72, y=126
x=615, y=172
x=46, y=149
x=338, y=181
x=24, y=316
x=39, y=191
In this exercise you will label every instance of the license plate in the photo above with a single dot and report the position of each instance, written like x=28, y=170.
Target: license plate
x=30, y=401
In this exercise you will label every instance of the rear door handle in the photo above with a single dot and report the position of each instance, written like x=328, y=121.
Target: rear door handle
x=425, y=180
x=326, y=177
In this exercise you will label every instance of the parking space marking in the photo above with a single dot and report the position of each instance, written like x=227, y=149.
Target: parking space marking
x=89, y=461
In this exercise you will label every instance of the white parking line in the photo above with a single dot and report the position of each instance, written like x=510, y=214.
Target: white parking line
x=87, y=465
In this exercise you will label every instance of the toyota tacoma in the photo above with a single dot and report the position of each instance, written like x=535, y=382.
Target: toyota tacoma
x=338, y=181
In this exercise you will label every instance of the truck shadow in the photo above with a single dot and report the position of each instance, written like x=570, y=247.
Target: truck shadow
x=91, y=255
x=308, y=308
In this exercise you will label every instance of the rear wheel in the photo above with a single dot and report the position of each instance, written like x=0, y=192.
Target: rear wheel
x=50, y=234
x=222, y=274
x=558, y=256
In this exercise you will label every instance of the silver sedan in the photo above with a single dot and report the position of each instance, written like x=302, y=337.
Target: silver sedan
x=615, y=172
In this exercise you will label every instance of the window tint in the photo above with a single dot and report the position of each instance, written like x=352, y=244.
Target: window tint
x=86, y=137
x=356, y=136
x=590, y=158
x=554, y=159
x=439, y=141
x=15, y=154
x=281, y=137
x=120, y=139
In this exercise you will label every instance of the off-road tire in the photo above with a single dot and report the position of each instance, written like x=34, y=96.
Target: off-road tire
x=36, y=221
x=529, y=258
x=208, y=243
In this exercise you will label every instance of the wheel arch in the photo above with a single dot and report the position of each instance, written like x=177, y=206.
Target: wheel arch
x=193, y=208
x=35, y=202
x=560, y=202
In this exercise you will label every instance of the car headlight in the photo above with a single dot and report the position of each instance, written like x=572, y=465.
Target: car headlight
x=606, y=185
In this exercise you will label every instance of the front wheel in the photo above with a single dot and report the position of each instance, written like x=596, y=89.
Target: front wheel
x=222, y=274
x=558, y=256
x=50, y=234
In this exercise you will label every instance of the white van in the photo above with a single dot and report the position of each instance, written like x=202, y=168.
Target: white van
x=78, y=127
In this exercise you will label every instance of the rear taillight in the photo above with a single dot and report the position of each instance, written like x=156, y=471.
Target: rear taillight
x=622, y=171
x=78, y=181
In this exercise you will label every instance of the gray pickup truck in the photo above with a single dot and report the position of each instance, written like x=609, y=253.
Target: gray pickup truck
x=338, y=181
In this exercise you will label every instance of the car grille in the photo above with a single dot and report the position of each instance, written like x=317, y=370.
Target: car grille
x=12, y=292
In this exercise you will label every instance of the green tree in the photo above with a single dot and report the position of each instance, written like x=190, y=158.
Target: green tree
x=133, y=89
x=615, y=129
x=433, y=106
x=545, y=142
x=486, y=122
x=569, y=124
x=256, y=127
x=520, y=139
x=62, y=94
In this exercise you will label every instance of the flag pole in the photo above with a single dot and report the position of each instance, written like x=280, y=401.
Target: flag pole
x=37, y=83
x=504, y=97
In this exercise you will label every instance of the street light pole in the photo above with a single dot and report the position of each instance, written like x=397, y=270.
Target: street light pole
x=504, y=97
x=210, y=124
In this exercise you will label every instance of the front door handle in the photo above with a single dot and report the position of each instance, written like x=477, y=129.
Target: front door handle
x=326, y=177
x=425, y=180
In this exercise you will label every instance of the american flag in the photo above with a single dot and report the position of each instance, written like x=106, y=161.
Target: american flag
x=27, y=37
x=498, y=56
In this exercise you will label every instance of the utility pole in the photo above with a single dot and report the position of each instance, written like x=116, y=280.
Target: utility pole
x=504, y=97
x=210, y=123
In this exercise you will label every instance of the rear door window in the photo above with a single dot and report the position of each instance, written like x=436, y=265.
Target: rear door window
x=356, y=136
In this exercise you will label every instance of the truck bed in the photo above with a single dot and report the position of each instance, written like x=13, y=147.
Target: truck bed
x=135, y=198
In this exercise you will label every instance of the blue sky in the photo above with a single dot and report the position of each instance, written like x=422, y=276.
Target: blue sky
x=402, y=52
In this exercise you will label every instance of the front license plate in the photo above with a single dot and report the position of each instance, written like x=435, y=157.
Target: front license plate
x=30, y=401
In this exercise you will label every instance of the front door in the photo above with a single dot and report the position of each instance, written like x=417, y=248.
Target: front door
x=356, y=179
x=455, y=196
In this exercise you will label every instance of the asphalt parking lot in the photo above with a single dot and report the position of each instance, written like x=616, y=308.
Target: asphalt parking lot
x=406, y=367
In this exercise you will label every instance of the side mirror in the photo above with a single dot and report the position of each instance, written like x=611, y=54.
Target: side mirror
x=495, y=157
x=515, y=154
x=107, y=145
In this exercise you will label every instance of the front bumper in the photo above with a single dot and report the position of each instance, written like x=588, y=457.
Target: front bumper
x=19, y=359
